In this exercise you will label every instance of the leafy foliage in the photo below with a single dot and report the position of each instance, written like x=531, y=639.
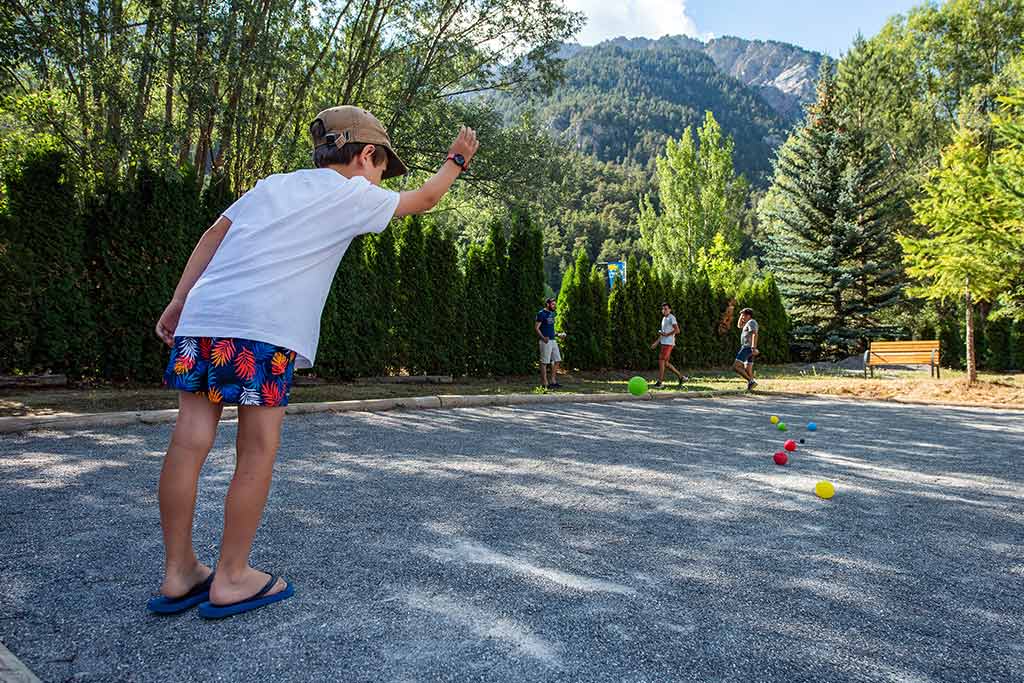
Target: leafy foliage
x=700, y=199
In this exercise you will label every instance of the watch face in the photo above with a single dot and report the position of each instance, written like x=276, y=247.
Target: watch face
x=459, y=159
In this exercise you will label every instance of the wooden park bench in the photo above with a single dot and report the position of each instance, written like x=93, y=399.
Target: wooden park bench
x=882, y=353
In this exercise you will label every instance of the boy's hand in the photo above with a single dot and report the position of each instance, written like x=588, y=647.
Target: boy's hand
x=465, y=144
x=754, y=353
x=168, y=322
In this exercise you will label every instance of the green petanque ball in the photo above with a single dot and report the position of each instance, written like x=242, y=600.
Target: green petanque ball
x=638, y=386
x=782, y=427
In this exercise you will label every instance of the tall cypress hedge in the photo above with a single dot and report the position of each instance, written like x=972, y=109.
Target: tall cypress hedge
x=84, y=280
x=444, y=323
x=523, y=293
x=45, y=320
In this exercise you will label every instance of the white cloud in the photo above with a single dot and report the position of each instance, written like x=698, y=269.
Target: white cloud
x=633, y=18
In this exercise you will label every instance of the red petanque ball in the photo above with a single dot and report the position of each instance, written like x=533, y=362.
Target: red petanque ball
x=790, y=445
x=781, y=458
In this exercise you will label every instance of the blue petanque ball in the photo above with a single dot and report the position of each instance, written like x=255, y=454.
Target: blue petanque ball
x=812, y=427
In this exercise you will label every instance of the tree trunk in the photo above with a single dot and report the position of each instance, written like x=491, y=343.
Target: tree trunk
x=972, y=364
x=172, y=63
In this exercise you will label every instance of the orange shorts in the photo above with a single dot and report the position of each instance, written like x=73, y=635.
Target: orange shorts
x=666, y=351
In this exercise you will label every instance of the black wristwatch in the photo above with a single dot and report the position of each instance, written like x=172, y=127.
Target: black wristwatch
x=459, y=160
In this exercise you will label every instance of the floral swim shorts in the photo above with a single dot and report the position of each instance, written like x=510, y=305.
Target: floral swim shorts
x=234, y=371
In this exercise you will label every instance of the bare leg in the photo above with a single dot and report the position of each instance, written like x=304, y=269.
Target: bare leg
x=191, y=441
x=543, y=374
x=750, y=369
x=661, y=370
x=554, y=373
x=259, y=433
x=741, y=370
x=674, y=369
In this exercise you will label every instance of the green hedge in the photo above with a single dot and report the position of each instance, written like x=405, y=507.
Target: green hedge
x=84, y=281
x=619, y=329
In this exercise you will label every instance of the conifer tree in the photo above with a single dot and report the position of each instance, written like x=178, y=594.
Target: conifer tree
x=382, y=325
x=524, y=289
x=477, y=304
x=412, y=298
x=831, y=217
x=444, y=282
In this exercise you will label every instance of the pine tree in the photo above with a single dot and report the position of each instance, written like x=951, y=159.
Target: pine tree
x=831, y=216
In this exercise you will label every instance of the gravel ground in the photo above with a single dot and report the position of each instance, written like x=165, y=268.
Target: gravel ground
x=646, y=541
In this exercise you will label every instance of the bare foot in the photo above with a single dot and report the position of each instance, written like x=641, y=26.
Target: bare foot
x=225, y=591
x=177, y=583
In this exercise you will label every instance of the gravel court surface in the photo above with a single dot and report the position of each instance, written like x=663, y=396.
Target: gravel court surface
x=647, y=541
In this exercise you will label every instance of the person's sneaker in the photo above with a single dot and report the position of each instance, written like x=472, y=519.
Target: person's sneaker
x=680, y=385
x=657, y=385
x=750, y=385
x=556, y=385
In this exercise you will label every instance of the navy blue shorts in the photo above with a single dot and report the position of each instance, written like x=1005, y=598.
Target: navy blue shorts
x=226, y=370
x=745, y=354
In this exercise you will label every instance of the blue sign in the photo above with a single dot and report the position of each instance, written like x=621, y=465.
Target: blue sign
x=616, y=272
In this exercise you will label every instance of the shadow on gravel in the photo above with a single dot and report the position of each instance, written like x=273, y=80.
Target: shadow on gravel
x=636, y=541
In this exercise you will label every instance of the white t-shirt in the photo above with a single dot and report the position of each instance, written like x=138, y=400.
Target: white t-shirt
x=668, y=337
x=270, y=277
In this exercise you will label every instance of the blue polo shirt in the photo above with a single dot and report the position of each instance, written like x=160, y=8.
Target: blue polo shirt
x=546, y=319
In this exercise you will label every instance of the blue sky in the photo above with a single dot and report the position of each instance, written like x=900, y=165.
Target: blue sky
x=825, y=25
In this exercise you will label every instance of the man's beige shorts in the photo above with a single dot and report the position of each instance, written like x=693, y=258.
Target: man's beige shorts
x=549, y=352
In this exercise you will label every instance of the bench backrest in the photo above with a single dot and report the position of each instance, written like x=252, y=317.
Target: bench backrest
x=922, y=352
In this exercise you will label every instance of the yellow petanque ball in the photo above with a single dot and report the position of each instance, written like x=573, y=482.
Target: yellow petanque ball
x=775, y=419
x=825, y=489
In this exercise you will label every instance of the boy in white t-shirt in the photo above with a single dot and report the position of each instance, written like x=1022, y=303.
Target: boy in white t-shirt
x=244, y=315
x=667, y=341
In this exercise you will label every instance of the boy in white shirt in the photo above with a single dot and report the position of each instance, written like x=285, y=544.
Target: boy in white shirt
x=245, y=313
x=667, y=340
x=744, y=363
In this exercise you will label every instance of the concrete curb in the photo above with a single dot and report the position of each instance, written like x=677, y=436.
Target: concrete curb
x=13, y=425
x=12, y=670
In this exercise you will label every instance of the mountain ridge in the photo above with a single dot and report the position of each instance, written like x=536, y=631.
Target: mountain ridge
x=783, y=73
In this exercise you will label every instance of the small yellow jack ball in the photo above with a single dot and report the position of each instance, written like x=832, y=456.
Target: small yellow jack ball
x=825, y=489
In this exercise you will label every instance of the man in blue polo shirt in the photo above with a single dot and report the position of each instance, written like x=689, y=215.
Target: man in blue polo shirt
x=548, y=342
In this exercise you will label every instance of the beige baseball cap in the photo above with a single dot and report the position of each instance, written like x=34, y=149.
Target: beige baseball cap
x=353, y=124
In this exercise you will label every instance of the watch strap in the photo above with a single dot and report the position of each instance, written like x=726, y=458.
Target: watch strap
x=464, y=167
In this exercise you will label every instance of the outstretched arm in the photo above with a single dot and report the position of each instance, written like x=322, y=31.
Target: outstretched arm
x=427, y=196
x=197, y=262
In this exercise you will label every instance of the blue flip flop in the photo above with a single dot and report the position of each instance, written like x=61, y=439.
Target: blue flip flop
x=200, y=592
x=209, y=610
